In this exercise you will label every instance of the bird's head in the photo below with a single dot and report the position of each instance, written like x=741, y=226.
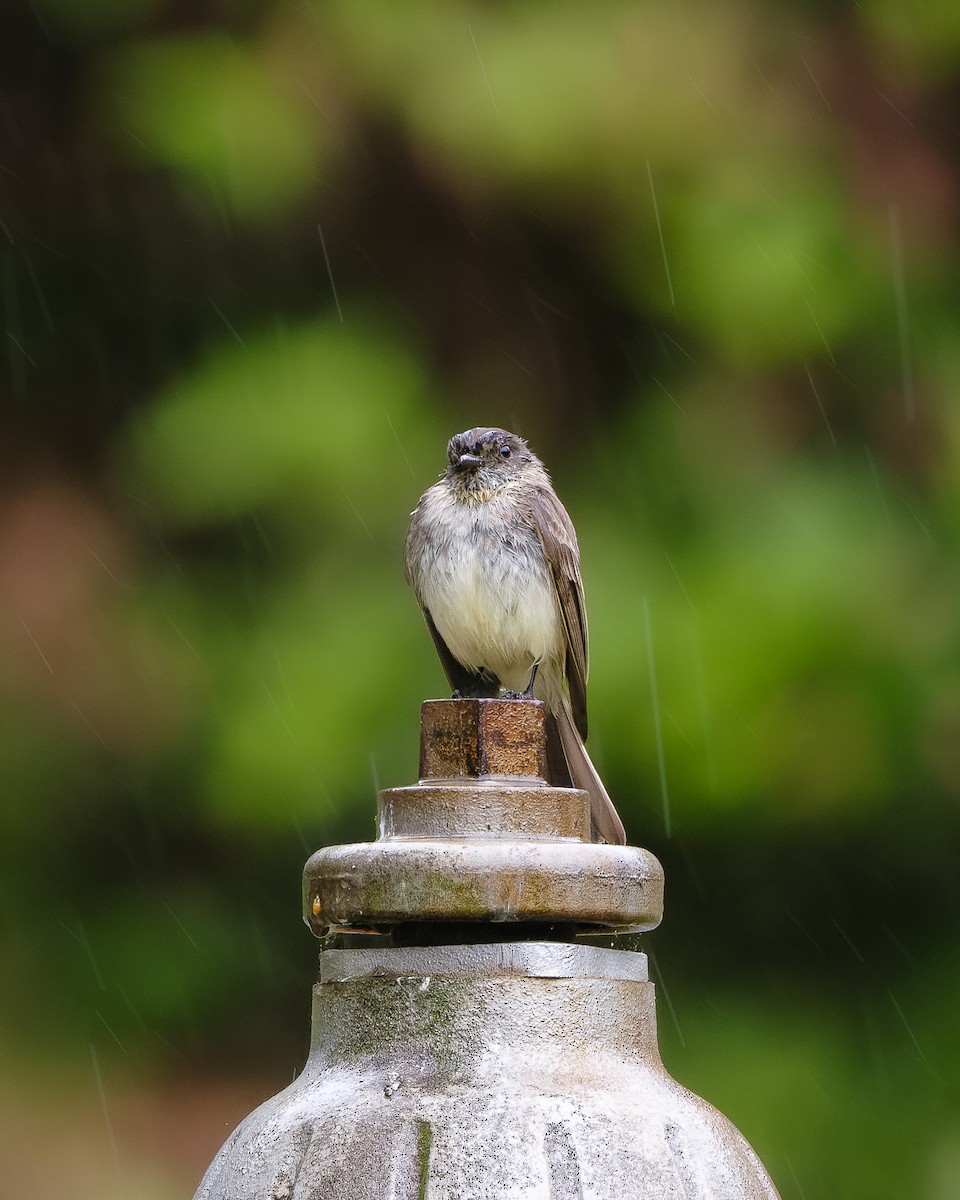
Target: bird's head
x=484, y=460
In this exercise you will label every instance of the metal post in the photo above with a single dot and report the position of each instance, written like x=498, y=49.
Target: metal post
x=468, y=1041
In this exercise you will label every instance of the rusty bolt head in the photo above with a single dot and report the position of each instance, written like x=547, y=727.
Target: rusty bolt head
x=476, y=738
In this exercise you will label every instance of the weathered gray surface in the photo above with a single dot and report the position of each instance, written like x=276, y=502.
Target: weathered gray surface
x=435, y=1087
x=381, y=883
x=497, y=1070
x=485, y=808
x=543, y=960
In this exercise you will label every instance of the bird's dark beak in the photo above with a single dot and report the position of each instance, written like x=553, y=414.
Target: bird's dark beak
x=466, y=461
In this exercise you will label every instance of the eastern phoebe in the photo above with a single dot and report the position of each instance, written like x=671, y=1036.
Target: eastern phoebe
x=493, y=559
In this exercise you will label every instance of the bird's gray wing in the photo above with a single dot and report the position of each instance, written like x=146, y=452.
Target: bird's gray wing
x=559, y=540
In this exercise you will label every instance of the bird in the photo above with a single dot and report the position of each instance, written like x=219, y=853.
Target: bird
x=492, y=557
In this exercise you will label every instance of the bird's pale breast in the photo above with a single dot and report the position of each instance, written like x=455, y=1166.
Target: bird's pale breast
x=482, y=574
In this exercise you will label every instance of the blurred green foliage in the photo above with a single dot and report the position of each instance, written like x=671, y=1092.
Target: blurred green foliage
x=215, y=115
x=258, y=262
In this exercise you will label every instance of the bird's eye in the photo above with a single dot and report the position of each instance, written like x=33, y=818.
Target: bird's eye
x=476, y=448
x=505, y=451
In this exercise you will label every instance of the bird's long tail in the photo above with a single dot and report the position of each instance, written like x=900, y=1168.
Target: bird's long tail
x=604, y=819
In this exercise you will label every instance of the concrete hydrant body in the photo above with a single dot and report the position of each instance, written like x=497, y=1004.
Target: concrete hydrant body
x=469, y=1044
